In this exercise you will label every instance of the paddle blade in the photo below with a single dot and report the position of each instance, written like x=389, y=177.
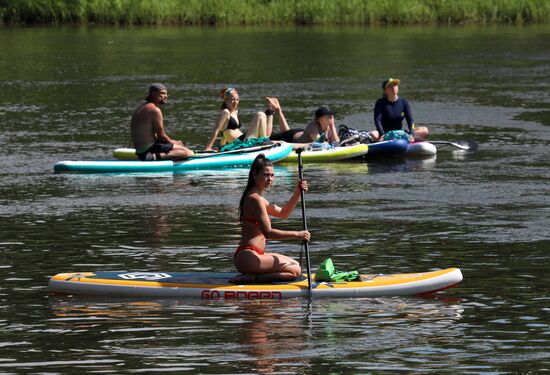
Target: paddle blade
x=463, y=144
x=467, y=145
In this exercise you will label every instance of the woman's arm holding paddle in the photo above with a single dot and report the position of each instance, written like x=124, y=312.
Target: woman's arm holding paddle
x=261, y=206
x=285, y=211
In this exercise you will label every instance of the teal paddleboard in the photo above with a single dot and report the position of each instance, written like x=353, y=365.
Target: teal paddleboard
x=275, y=154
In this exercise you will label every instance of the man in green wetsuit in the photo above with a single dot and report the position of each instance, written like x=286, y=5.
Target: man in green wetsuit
x=147, y=129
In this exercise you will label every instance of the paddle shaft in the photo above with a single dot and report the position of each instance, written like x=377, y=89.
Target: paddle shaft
x=304, y=219
x=202, y=154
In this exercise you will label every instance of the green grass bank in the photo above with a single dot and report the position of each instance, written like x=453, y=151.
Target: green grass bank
x=273, y=12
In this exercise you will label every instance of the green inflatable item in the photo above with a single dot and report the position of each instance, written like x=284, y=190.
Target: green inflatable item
x=327, y=272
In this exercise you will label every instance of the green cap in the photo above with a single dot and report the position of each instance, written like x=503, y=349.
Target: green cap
x=390, y=82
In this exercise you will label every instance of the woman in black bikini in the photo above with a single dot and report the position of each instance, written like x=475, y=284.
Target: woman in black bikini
x=251, y=260
x=229, y=125
x=321, y=129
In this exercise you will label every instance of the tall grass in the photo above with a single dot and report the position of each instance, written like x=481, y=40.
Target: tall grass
x=242, y=12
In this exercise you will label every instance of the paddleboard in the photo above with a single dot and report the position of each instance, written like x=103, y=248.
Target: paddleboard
x=328, y=155
x=387, y=148
x=210, y=286
x=126, y=153
x=421, y=149
x=275, y=154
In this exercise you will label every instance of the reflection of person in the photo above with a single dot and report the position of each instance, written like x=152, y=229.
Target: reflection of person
x=389, y=112
x=229, y=125
x=147, y=129
x=321, y=129
x=251, y=260
x=266, y=336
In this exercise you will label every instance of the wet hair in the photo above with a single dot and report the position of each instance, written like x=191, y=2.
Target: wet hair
x=257, y=166
x=226, y=93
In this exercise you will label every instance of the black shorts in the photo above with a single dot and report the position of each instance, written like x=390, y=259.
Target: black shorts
x=287, y=136
x=153, y=152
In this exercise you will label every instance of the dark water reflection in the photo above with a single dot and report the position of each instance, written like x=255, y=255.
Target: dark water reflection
x=283, y=337
x=68, y=93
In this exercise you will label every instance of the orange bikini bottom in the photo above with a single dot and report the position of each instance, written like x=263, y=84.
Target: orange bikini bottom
x=249, y=247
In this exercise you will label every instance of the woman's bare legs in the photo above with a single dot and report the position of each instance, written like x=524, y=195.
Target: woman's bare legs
x=421, y=133
x=269, y=126
x=258, y=126
x=265, y=268
x=274, y=104
x=375, y=135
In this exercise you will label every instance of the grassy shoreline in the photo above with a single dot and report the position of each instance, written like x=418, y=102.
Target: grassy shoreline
x=273, y=12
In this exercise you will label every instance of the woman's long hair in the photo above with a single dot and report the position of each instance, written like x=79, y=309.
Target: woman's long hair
x=257, y=166
x=224, y=94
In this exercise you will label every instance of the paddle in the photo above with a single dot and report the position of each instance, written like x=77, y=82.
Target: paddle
x=463, y=145
x=304, y=220
x=206, y=154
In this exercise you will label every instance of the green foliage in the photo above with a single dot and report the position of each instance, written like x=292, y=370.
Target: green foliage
x=240, y=12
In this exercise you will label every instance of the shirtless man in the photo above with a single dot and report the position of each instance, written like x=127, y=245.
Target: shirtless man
x=147, y=129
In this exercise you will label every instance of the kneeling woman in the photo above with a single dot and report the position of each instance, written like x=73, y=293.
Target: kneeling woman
x=250, y=258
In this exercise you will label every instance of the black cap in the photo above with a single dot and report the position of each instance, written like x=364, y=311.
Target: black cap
x=323, y=111
x=155, y=87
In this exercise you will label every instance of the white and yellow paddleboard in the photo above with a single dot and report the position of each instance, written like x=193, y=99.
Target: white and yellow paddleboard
x=125, y=153
x=210, y=285
x=328, y=155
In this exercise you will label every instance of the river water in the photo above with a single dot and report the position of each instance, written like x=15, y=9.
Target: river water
x=67, y=93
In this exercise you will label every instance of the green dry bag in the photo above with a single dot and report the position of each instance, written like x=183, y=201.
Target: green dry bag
x=327, y=272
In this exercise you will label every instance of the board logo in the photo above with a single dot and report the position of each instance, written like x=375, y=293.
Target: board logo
x=209, y=294
x=144, y=276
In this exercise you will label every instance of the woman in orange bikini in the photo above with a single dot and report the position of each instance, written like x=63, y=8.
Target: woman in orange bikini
x=251, y=260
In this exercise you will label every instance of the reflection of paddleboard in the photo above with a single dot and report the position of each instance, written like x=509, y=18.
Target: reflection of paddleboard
x=211, y=285
x=329, y=154
x=213, y=161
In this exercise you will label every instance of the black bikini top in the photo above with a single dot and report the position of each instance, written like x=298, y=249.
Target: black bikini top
x=233, y=124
